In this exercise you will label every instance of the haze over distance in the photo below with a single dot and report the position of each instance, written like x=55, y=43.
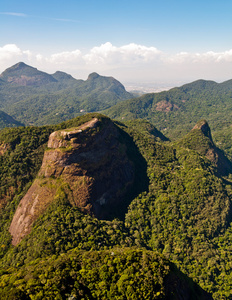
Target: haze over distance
x=149, y=45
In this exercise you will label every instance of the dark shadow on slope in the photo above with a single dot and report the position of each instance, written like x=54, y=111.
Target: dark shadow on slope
x=178, y=286
x=116, y=167
x=141, y=180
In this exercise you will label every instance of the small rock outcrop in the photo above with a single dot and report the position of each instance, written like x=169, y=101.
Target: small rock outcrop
x=3, y=148
x=87, y=166
x=204, y=127
x=200, y=139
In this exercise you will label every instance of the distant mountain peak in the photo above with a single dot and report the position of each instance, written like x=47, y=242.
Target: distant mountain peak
x=24, y=75
x=20, y=65
x=17, y=67
x=62, y=76
x=93, y=76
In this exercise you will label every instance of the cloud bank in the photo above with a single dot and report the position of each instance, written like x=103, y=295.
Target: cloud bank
x=131, y=62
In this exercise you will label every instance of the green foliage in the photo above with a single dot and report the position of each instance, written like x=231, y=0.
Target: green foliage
x=64, y=227
x=119, y=273
x=184, y=214
x=36, y=98
x=182, y=108
x=8, y=121
x=19, y=165
x=185, y=211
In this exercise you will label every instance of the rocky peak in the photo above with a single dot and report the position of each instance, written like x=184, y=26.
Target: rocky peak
x=87, y=165
x=204, y=127
x=200, y=140
x=59, y=139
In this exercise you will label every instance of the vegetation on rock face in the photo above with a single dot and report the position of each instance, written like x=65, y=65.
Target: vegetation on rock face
x=183, y=215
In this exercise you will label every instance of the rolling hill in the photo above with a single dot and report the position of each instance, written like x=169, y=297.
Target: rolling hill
x=175, y=112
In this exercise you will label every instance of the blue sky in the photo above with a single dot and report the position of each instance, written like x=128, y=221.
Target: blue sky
x=134, y=41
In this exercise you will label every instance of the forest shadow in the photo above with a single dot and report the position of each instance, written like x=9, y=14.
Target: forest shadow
x=140, y=182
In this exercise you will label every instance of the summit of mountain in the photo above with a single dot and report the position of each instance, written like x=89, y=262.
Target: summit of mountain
x=203, y=126
x=90, y=165
x=22, y=74
x=199, y=85
x=93, y=76
x=200, y=139
x=62, y=76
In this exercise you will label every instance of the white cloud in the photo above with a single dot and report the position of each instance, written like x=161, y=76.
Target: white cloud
x=108, y=54
x=65, y=57
x=207, y=57
x=64, y=20
x=15, y=14
x=129, y=62
x=11, y=52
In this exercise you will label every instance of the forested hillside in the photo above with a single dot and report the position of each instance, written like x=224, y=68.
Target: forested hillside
x=176, y=111
x=175, y=217
x=34, y=97
x=8, y=121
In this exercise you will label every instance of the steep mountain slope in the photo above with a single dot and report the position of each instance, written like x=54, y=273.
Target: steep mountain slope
x=89, y=165
x=187, y=212
x=8, y=121
x=200, y=139
x=175, y=111
x=183, y=213
x=35, y=97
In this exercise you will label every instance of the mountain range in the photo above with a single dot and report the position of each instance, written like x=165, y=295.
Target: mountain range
x=175, y=112
x=34, y=97
x=95, y=208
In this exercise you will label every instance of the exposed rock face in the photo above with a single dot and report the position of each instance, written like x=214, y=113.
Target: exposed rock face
x=166, y=106
x=3, y=148
x=87, y=165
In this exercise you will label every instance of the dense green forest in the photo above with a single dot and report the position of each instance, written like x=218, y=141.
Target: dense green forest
x=139, y=207
x=8, y=121
x=176, y=111
x=34, y=97
x=177, y=224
